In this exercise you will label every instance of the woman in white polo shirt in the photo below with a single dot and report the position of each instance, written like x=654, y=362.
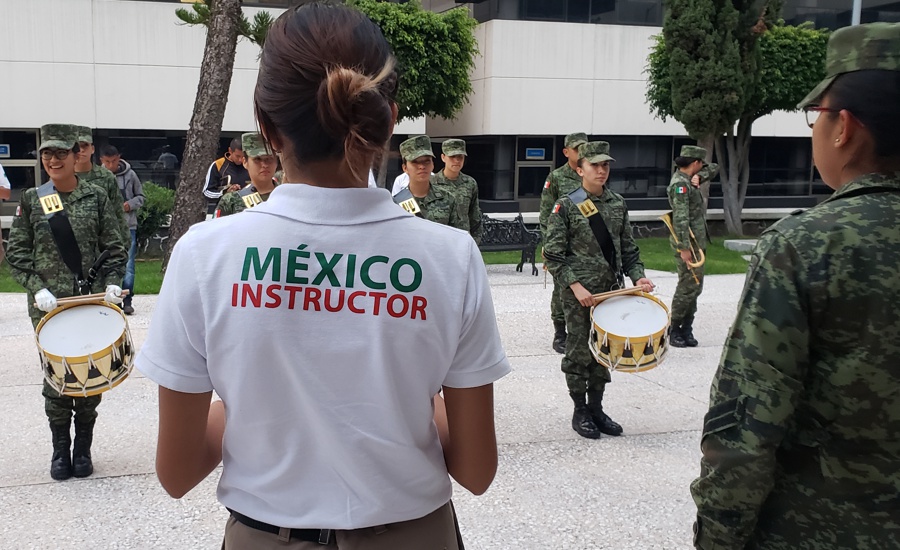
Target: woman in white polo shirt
x=331, y=431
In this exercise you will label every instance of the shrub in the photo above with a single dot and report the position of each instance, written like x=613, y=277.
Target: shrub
x=158, y=205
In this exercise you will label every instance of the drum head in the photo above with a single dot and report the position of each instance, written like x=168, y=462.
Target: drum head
x=630, y=316
x=81, y=330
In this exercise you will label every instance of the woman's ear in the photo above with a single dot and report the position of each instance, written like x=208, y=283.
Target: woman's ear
x=848, y=127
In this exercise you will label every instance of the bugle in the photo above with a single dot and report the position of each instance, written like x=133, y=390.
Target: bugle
x=696, y=252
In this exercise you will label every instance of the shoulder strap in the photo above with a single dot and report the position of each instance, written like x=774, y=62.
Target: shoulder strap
x=599, y=229
x=867, y=191
x=61, y=229
x=249, y=190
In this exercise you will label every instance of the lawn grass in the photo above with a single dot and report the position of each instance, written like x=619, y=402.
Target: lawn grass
x=655, y=253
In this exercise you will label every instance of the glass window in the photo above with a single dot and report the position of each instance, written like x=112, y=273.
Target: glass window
x=22, y=144
x=639, y=12
x=535, y=148
x=544, y=10
x=579, y=11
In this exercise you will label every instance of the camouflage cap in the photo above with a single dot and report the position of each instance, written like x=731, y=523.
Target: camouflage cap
x=58, y=136
x=415, y=147
x=573, y=141
x=858, y=48
x=693, y=152
x=595, y=151
x=254, y=145
x=453, y=147
x=85, y=134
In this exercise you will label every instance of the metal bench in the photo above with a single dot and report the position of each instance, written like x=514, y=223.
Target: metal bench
x=505, y=235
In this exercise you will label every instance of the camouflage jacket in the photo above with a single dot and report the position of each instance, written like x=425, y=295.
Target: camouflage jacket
x=232, y=203
x=801, y=444
x=436, y=206
x=572, y=253
x=106, y=180
x=560, y=183
x=687, y=211
x=464, y=192
x=35, y=261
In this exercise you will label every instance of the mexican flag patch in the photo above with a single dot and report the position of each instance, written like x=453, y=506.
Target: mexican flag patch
x=681, y=189
x=218, y=213
x=18, y=210
x=556, y=209
x=547, y=184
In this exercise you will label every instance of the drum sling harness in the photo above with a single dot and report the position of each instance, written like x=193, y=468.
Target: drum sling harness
x=64, y=237
x=599, y=229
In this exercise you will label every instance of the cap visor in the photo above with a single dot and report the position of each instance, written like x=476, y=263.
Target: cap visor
x=600, y=158
x=816, y=92
x=55, y=144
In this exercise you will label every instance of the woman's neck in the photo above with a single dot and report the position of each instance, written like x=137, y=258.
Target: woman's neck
x=66, y=185
x=327, y=173
x=420, y=188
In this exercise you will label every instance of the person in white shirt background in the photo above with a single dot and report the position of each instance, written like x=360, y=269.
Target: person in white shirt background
x=335, y=432
x=4, y=196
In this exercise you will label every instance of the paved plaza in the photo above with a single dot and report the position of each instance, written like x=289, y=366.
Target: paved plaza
x=554, y=490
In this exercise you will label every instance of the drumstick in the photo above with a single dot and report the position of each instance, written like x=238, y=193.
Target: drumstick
x=85, y=298
x=621, y=292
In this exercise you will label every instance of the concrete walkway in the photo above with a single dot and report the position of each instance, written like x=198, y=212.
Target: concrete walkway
x=554, y=490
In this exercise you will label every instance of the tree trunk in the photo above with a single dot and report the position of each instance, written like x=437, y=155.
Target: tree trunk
x=202, y=143
x=708, y=143
x=730, y=178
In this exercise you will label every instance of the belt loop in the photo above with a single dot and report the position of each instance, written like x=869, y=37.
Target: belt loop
x=325, y=536
x=284, y=534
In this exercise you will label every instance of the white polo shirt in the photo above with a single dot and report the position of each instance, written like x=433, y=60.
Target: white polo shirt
x=4, y=182
x=326, y=335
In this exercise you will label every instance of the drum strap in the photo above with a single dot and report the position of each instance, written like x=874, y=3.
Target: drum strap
x=64, y=237
x=600, y=231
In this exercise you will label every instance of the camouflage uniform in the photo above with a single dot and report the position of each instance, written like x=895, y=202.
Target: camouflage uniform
x=560, y=183
x=438, y=205
x=572, y=254
x=463, y=190
x=231, y=203
x=687, y=215
x=35, y=261
x=801, y=444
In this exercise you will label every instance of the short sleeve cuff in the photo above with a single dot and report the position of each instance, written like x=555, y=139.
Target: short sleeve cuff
x=171, y=380
x=480, y=377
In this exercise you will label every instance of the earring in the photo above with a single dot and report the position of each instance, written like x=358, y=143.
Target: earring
x=838, y=140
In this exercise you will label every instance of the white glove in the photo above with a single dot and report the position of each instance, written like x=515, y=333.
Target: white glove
x=113, y=294
x=45, y=300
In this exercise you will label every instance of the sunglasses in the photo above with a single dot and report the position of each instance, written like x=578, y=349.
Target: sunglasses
x=59, y=154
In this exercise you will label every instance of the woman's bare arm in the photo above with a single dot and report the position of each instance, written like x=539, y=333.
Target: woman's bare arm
x=470, y=450
x=189, y=445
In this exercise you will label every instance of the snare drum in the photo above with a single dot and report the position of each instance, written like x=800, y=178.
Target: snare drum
x=85, y=348
x=629, y=333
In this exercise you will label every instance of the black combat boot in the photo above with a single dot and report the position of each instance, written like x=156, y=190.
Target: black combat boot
x=61, y=462
x=559, y=338
x=126, y=306
x=81, y=453
x=604, y=423
x=676, y=337
x=687, y=332
x=582, y=422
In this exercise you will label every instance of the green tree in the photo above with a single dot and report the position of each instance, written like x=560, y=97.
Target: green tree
x=705, y=71
x=224, y=22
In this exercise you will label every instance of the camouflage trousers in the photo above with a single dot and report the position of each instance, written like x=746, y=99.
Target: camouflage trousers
x=556, y=308
x=583, y=372
x=684, y=303
x=59, y=408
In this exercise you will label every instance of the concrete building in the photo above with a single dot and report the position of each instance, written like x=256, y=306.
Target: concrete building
x=547, y=68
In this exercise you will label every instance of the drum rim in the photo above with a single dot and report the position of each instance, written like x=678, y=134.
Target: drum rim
x=80, y=358
x=638, y=339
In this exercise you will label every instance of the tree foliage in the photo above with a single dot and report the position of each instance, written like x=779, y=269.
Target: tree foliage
x=254, y=31
x=435, y=51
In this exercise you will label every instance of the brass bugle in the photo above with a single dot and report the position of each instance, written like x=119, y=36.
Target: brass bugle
x=696, y=251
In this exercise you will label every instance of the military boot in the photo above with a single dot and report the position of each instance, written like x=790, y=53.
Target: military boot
x=61, y=462
x=82, y=466
x=604, y=423
x=582, y=422
x=559, y=338
x=687, y=332
x=676, y=337
x=127, y=309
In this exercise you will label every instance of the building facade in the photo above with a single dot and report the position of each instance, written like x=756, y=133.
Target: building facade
x=546, y=68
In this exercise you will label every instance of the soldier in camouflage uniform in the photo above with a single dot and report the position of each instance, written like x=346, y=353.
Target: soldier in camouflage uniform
x=560, y=183
x=35, y=263
x=421, y=198
x=260, y=164
x=801, y=444
x=462, y=187
x=577, y=261
x=688, y=214
x=89, y=172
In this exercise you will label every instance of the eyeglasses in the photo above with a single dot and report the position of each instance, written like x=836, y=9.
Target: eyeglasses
x=60, y=154
x=813, y=112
